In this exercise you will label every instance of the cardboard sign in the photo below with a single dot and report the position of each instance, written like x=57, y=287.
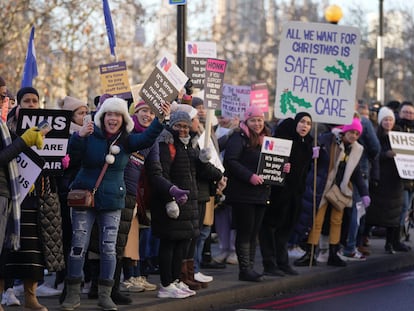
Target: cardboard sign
x=163, y=84
x=114, y=79
x=402, y=143
x=317, y=71
x=196, y=57
x=55, y=142
x=235, y=100
x=29, y=166
x=213, y=83
x=274, y=154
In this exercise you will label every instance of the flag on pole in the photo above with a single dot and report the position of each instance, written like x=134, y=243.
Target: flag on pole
x=109, y=26
x=30, y=65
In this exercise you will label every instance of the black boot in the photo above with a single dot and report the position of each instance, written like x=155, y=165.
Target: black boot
x=397, y=244
x=306, y=259
x=246, y=273
x=117, y=297
x=389, y=239
x=333, y=259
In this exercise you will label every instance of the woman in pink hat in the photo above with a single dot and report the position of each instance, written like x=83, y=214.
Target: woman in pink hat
x=246, y=191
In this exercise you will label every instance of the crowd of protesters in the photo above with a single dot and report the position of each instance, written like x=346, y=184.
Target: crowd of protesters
x=160, y=186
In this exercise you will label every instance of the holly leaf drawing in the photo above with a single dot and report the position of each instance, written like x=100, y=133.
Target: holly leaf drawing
x=343, y=72
x=287, y=99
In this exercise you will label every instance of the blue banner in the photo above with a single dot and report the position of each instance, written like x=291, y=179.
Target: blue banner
x=109, y=26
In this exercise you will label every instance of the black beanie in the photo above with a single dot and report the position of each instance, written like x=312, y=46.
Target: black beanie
x=25, y=90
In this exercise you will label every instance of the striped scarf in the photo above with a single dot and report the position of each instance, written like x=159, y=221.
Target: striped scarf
x=14, y=233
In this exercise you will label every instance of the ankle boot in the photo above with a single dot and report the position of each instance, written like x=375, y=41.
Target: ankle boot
x=184, y=276
x=307, y=258
x=72, y=297
x=334, y=259
x=30, y=299
x=104, y=295
x=397, y=244
x=116, y=295
x=190, y=272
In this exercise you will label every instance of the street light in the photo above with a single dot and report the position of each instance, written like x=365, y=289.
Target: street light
x=333, y=14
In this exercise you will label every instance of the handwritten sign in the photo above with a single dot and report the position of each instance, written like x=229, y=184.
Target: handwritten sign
x=317, y=71
x=235, y=100
x=274, y=154
x=196, y=57
x=163, y=84
x=213, y=83
x=402, y=144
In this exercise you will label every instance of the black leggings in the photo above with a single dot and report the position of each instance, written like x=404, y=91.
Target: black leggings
x=171, y=255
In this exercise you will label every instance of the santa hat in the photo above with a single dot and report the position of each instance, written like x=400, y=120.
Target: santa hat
x=354, y=126
x=72, y=103
x=253, y=112
x=385, y=112
x=115, y=104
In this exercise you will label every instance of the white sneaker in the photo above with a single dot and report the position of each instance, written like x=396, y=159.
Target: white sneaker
x=45, y=290
x=199, y=277
x=322, y=255
x=232, y=259
x=221, y=257
x=296, y=252
x=184, y=287
x=9, y=298
x=130, y=286
x=142, y=281
x=171, y=291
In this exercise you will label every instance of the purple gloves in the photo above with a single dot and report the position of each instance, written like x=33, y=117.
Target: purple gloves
x=179, y=195
x=315, y=152
x=256, y=180
x=366, y=200
x=286, y=168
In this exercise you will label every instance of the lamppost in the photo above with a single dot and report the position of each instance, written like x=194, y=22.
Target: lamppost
x=380, y=55
x=333, y=14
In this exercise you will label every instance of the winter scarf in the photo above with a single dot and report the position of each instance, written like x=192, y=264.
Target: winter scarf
x=13, y=239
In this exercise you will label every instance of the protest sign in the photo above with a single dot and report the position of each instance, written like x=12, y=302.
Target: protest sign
x=235, y=100
x=114, y=79
x=274, y=154
x=196, y=55
x=55, y=142
x=259, y=96
x=402, y=143
x=29, y=167
x=213, y=82
x=317, y=71
x=163, y=84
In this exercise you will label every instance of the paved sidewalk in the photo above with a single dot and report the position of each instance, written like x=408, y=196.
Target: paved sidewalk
x=226, y=290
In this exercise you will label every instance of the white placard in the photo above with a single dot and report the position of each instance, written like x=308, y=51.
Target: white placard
x=317, y=71
x=402, y=143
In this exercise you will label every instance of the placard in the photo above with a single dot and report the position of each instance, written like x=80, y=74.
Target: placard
x=55, y=142
x=114, y=79
x=164, y=83
x=213, y=83
x=274, y=154
x=29, y=166
x=235, y=100
x=259, y=96
x=317, y=71
x=402, y=143
x=196, y=57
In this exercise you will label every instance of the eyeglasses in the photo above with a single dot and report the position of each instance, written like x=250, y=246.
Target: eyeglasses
x=178, y=127
x=407, y=112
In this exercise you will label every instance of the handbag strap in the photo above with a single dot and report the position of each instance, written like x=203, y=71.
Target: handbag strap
x=99, y=180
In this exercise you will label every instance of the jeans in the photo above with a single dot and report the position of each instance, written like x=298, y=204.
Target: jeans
x=198, y=253
x=82, y=223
